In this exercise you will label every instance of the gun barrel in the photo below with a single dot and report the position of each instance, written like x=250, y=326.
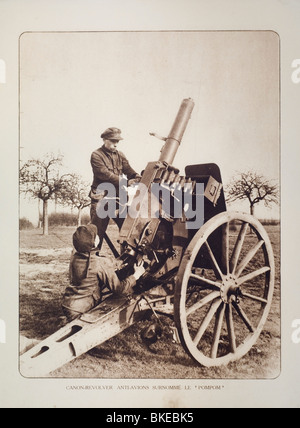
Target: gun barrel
x=173, y=141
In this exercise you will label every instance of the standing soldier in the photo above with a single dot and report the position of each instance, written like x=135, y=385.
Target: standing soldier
x=108, y=166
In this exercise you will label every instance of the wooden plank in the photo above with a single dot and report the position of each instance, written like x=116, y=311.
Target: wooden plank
x=83, y=334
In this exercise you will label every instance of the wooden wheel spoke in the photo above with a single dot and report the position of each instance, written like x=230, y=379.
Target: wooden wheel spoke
x=205, y=281
x=248, y=257
x=253, y=274
x=207, y=299
x=206, y=321
x=237, y=248
x=230, y=328
x=216, y=266
x=244, y=317
x=217, y=331
x=225, y=248
x=255, y=298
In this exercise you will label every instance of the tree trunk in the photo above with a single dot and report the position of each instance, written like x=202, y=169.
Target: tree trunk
x=252, y=213
x=45, y=217
x=55, y=203
x=79, y=216
x=40, y=215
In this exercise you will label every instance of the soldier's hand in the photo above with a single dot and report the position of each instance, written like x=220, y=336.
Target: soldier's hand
x=133, y=181
x=138, y=270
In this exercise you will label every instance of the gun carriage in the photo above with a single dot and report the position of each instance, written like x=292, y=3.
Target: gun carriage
x=215, y=279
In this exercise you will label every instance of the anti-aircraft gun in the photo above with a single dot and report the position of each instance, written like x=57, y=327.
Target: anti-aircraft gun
x=208, y=269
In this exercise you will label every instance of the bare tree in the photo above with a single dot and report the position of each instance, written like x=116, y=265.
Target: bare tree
x=75, y=193
x=253, y=187
x=40, y=179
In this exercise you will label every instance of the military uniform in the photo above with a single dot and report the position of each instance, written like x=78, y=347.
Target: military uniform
x=90, y=281
x=108, y=167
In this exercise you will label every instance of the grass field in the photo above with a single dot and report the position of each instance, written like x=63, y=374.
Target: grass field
x=44, y=264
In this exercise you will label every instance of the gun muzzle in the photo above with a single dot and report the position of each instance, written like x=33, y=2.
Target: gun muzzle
x=173, y=141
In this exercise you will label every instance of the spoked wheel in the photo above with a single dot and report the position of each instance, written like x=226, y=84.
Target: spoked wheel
x=222, y=298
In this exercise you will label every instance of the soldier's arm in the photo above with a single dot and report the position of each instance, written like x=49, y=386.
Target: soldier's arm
x=127, y=169
x=109, y=279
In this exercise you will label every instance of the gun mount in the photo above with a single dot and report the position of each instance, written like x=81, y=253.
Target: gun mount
x=150, y=233
x=217, y=277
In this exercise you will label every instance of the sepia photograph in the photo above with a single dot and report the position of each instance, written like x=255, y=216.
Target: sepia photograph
x=150, y=213
x=149, y=205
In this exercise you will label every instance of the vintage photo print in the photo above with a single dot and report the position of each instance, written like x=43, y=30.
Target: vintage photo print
x=149, y=202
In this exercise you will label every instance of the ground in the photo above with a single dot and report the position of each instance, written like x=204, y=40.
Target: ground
x=44, y=264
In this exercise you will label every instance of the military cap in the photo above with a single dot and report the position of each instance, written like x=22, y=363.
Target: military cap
x=84, y=238
x=112, y=134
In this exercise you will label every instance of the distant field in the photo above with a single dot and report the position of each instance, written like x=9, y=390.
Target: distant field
x=44, y=264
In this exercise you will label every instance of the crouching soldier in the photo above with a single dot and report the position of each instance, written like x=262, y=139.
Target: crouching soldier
x=89, y=279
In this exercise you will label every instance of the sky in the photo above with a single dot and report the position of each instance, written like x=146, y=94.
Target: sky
x=74, y=85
